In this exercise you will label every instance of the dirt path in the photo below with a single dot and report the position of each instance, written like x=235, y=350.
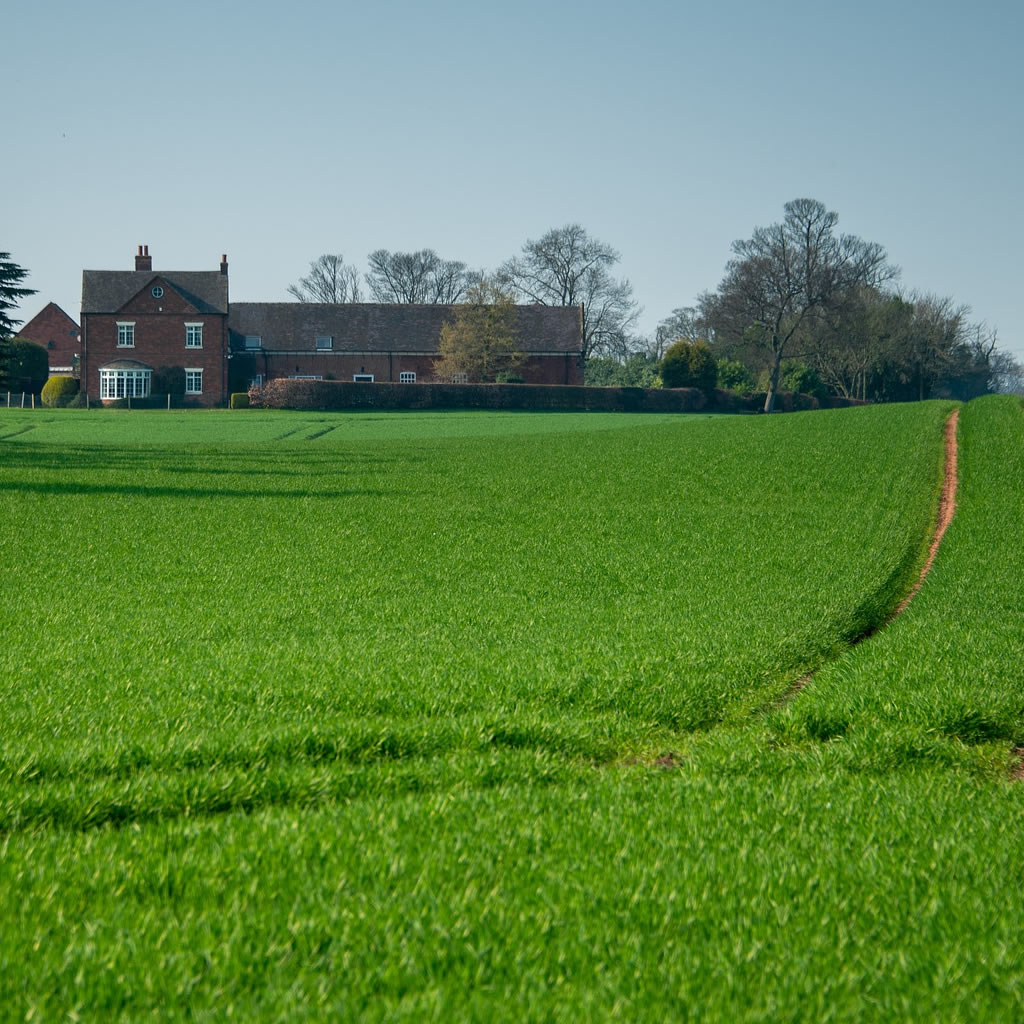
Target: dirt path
x=947, y=509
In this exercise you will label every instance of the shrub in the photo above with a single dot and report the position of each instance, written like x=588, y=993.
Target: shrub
x=509, y=378
x=58, y=392
x=689, y=365
x=734, y=376
x=169, y=380
x=239, y=400
x=802, y=379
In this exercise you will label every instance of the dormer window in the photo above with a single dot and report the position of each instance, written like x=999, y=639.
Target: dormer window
x=325, y=342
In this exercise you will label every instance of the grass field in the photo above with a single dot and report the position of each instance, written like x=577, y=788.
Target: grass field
x=476, y=717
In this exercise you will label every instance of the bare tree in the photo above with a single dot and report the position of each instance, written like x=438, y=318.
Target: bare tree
x=566, y=267
x=785, y=276
x=330, y=279
x=417, y=277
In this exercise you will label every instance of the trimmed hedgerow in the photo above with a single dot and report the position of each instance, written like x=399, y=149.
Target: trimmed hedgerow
x=327, y=396
x=239, y=400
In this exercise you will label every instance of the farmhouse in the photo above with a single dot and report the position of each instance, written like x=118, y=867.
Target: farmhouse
x=147, y=332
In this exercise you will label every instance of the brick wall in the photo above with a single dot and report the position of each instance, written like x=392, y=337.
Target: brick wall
x=57, y=333
x=385, y=367
x=159, y=343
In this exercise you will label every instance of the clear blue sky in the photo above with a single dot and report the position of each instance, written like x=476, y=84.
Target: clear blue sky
x=277, y=132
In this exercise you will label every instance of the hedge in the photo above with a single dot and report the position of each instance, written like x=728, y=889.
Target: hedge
x=331, y=395
x=324, y=395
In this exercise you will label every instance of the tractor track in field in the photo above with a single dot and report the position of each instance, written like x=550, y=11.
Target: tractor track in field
x=947, y=509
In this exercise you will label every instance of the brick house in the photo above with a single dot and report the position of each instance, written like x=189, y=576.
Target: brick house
x=147, y=332
x=59, y=335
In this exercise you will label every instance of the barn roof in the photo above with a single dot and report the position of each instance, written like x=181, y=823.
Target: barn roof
x=375, y=327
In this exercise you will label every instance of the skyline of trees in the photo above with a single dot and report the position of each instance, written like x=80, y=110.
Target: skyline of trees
x=794, y=294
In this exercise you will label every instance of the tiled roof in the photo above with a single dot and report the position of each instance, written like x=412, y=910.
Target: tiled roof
x=373, y=327
x=44, y=311
x=106, y=291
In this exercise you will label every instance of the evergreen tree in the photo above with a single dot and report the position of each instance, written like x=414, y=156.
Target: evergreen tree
x=11, y=276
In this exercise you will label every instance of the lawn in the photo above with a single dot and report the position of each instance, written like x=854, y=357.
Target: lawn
x=407, y=717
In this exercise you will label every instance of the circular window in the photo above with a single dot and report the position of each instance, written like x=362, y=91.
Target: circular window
x=158, y=292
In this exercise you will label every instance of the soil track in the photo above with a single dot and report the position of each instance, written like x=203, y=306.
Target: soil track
x=947, y=509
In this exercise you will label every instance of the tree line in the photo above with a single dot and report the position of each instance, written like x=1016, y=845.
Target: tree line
x=800, y=306
x=803, y=307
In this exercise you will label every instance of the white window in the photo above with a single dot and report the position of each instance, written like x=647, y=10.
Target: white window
x=460, y=378
x=193, y=382
x=407, y=377
x=305, y=376
x=253, y=341
x=125, y=383
x=257, y=381
x=193, y=335
x=363, y=378
x=325, y=342
x=157, y=292
x=125, y=334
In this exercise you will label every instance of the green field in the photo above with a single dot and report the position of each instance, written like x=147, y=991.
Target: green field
x=480, y=716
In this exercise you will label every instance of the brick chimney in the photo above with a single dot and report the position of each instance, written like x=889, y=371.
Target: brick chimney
x=224, y=264
x=143, y=261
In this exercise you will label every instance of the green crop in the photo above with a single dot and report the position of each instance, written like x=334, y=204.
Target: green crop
x=473, y=717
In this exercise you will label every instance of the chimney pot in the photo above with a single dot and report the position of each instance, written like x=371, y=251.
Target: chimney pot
x=143, y=261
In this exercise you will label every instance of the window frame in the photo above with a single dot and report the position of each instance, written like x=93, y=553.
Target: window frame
x=257, y=338
x=117, y=384
x=407, y=377
x=191, y=372
x=126, y=333
x=194, y=330
x=324, y=342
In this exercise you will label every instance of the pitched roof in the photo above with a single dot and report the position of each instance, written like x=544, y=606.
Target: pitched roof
x=375, y=327
x=106, y=291
x=44, y=312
